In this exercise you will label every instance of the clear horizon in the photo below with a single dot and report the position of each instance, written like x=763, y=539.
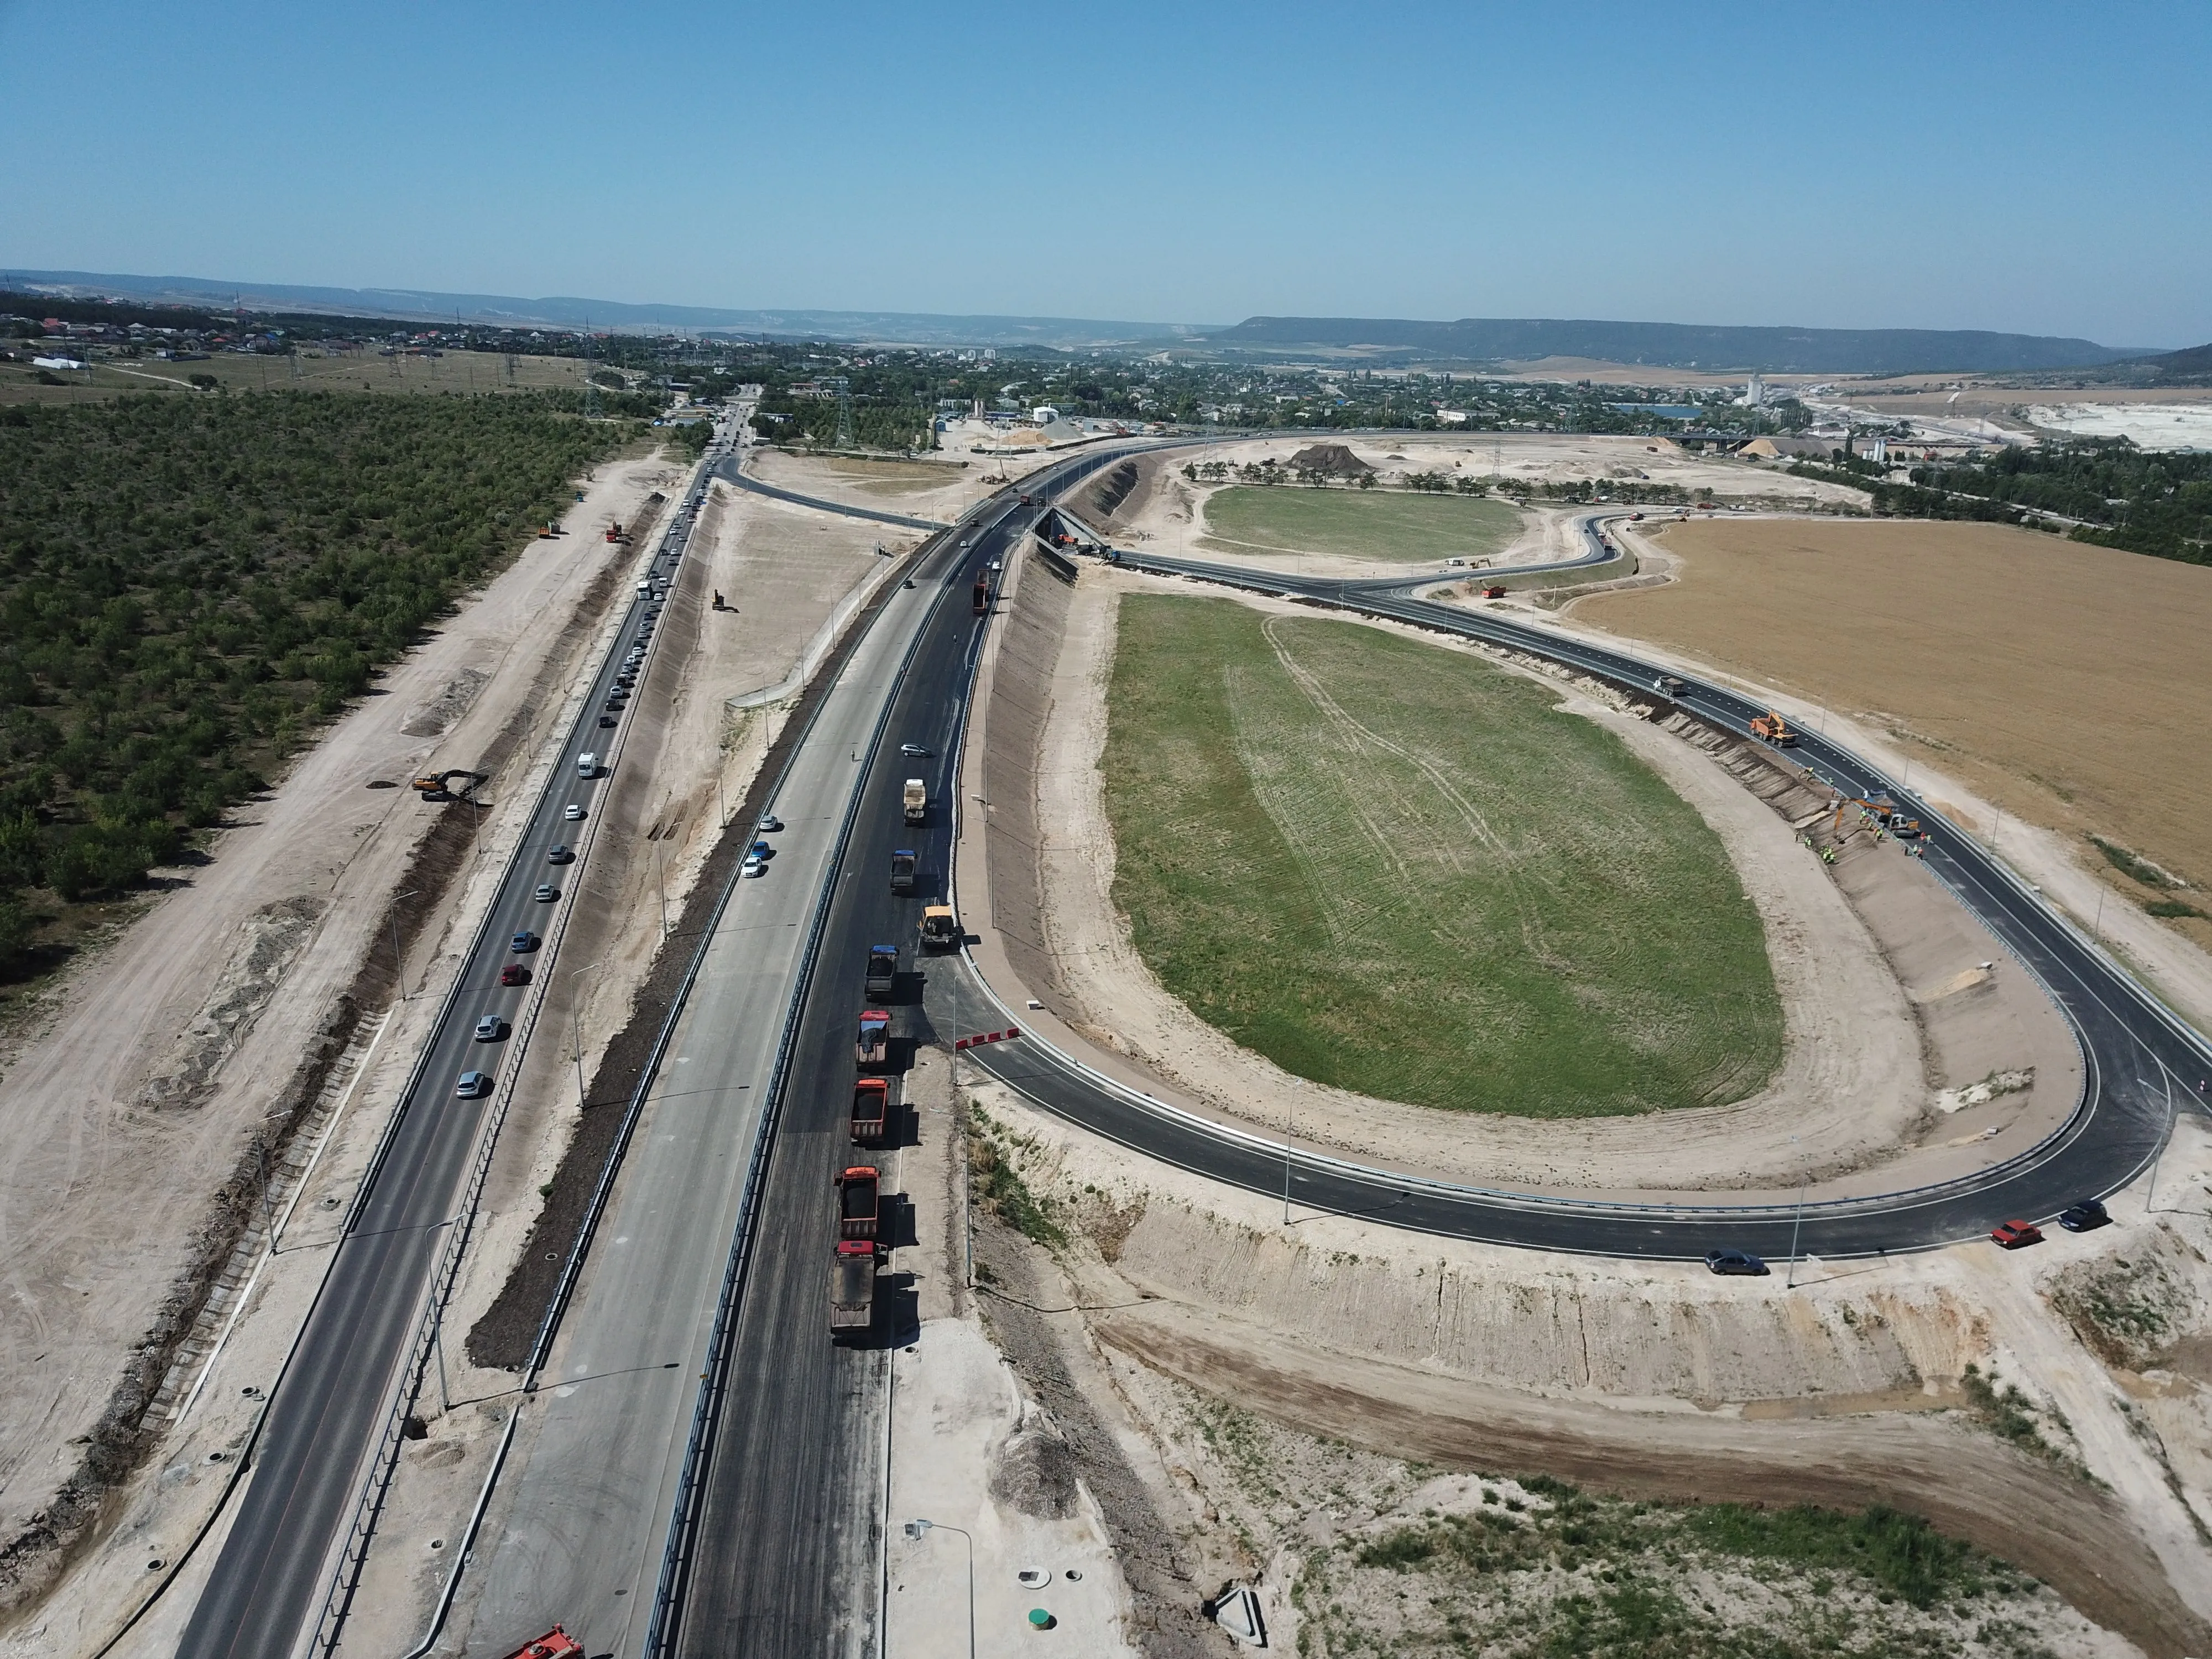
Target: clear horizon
x=2030, y=170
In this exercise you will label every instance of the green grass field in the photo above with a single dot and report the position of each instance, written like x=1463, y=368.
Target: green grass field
x=1358, y=524
x=1394, y=869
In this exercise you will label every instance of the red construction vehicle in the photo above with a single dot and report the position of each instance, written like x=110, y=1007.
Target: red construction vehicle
x=614, y=532
x=556, y=1644
x=1494, y=592
x=859, y=1195
x=870, y=1110
x=1771, y=727
x=873, y=1046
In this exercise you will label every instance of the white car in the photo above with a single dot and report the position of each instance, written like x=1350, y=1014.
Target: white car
x=770, y=824
x=572, y=812
x=755, y=865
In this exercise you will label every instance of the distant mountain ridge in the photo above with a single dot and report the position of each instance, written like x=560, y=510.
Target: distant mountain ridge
x=2191, y=368
x=567, y=312
x=1681, y=345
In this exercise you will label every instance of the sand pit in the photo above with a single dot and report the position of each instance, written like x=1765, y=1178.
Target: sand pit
x=2050, y=677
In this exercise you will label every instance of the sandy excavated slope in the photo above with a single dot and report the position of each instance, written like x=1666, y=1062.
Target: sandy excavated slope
x=212, y=996
x=1659, y=1379
x=1852, y=1092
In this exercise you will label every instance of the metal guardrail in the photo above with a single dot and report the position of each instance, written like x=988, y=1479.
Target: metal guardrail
x=664, y=1626
x=376, y=1483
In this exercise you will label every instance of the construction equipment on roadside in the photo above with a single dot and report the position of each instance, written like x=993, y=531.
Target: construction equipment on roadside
x=1771, y=727
x=556, y=1644
x=616, y=533
x=858, y=1201
x=1494, y=591
x=870, y=1110
x=439, y=786
x=852, y=1289
x=872, y=1049
x=940, y=931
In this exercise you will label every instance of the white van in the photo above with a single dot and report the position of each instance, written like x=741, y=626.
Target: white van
x=587, y=765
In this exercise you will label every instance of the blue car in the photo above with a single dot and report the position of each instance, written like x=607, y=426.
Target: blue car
x=1735, y=1261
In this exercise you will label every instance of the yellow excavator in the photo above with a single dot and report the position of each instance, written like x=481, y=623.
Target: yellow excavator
x=439, y=786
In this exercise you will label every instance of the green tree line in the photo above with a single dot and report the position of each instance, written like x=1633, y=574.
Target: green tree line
x=190, y=586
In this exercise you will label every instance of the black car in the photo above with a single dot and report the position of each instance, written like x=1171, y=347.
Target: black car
x=1735, y=1261
x=606, y=720
x=2084, y=1216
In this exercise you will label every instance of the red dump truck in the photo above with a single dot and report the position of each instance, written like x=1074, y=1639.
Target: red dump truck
x=556, y=1644
x=852, y=1289
x=982, y=593
x=873, y=1046
x=870, y=1110
x=859, y=1195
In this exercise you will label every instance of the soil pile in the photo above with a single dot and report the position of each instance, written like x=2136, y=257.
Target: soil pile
x=1335, y=459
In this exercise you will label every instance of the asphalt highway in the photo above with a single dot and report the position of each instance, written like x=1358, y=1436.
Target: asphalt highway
x=272, y=1580
x=2141, y=1064
x=706, y=1478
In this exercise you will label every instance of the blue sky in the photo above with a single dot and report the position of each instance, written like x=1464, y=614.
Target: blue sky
x=2040, y=168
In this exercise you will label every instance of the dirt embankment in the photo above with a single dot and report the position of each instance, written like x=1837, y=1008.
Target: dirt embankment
x=269, y=970
x=1946, y=1386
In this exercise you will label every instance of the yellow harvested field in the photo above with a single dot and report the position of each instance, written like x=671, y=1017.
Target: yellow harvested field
x=2069, y=684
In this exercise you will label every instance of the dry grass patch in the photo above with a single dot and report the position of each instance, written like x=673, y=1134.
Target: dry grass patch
x=2061, y=681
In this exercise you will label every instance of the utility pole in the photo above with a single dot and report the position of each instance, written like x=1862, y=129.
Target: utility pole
x=576, y=1028
x=399, y=962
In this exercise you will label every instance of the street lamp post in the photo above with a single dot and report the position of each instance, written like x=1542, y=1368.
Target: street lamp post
x=576, y=1028
x=398, y=962
x=915, y=1529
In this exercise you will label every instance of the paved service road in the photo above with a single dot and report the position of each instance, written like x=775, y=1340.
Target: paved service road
x=592, y=1504
x=2142, y=1064
x=328, y=1412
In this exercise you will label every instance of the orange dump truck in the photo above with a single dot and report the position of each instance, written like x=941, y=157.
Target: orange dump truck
x=870, y=1110
x=859, y=1198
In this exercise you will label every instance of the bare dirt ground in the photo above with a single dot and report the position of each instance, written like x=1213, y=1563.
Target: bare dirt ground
x=1166, y=511
x=1876, y=967
x=1661, y=1380
x=125, y=1112
x=792, y=567
x=2011, y=671
x=940, y=486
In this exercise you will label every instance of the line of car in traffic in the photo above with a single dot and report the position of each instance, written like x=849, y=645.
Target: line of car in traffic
x=2085, y=1216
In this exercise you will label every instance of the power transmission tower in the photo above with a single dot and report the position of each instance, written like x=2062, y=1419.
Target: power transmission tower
x=844, y=422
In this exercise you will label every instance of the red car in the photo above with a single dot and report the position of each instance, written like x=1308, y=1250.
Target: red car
x=2013, y=1234
x=514, y=974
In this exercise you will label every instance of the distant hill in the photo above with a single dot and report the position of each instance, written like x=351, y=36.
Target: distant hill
x=505, y=311
x=2190, y=367
x=1679, y=345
